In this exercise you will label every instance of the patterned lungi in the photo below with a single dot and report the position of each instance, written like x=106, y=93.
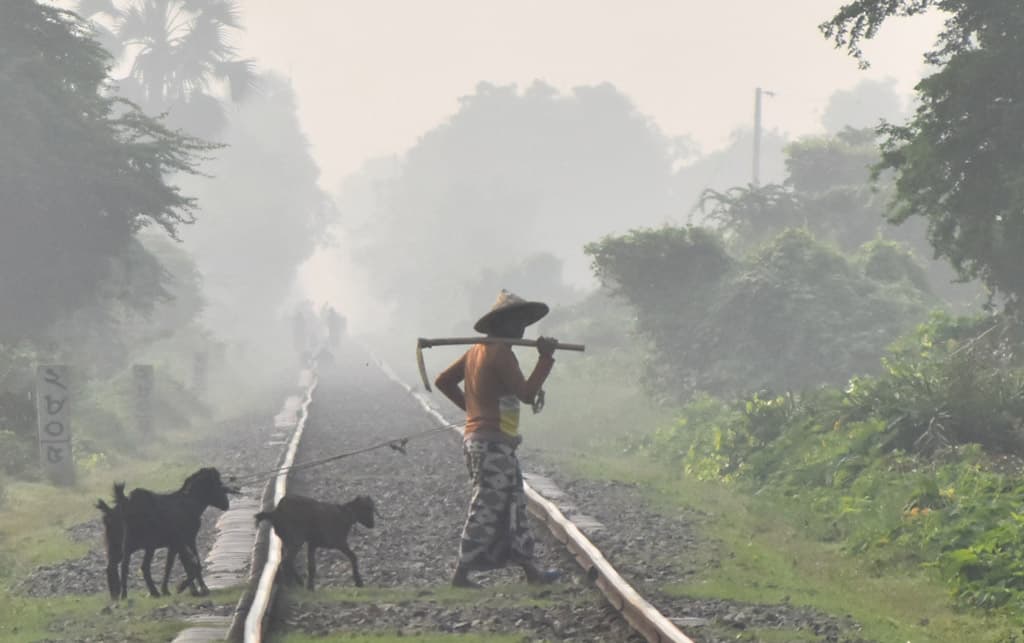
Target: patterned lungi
x=497, y=532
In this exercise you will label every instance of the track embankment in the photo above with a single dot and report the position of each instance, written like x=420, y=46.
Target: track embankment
x=408, y=558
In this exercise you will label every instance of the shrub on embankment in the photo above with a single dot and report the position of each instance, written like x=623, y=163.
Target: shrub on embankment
x=920, y=465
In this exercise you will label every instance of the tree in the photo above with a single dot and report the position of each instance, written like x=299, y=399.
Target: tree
x=179, y=56
x=832, y=175
x=827, y=190
x=80, y=172
x=513, y=173
x=792, y=314
x=960, y=159
x=863, y=106
x=723, y=169
x=263, y=216
x=752, y=214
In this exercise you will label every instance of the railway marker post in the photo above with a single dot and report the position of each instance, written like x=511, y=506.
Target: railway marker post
x=142, y=378
x=53, y=398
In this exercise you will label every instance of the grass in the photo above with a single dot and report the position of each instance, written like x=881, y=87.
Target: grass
x=762, y=635
x=34, y=520
x=28, y=619
x=381, y=637
x=761, y=556
x=30, y=537
x=758, y=550
x=591, y=406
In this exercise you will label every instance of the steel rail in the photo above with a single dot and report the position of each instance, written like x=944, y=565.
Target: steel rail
x=262, y=601
x=640, y=614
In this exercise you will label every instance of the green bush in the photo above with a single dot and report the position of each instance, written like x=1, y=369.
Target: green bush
x=793, y=314
x=920, y=465
x=940, y=389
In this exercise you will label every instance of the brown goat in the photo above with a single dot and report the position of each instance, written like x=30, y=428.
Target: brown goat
x=298, y=520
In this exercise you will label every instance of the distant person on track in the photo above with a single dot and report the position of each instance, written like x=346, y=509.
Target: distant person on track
x=496, y=533
x=335, y=325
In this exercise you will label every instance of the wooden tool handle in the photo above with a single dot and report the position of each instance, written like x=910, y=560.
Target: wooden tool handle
x=461, y=341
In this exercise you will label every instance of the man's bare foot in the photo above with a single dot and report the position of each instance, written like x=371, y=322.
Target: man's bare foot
x=461, y=579
x=535, y=576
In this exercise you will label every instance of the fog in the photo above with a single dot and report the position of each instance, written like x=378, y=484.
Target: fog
x=788, y=234
x=401, y=162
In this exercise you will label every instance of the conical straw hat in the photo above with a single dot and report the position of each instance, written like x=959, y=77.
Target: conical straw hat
x=511, y=306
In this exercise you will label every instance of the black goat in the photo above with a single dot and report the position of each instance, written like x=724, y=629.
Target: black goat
x=298, y=520
x=114, y=527
x=150, y=521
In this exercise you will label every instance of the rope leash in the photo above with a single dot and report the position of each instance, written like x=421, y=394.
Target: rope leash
x=396, y=444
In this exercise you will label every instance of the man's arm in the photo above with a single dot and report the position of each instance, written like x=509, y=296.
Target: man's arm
x=526, y=388
x=448, y=382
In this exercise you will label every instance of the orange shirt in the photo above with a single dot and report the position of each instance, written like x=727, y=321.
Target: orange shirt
x=494, y=388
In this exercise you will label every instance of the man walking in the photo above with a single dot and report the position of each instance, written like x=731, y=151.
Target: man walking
x=496, y=533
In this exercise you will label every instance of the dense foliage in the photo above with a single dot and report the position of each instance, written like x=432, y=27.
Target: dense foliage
x=792, y=314
x=827, y=189
x=81, y=173
x=91, y=274
x=918, y=465
x=179, y=56
x=960, y=159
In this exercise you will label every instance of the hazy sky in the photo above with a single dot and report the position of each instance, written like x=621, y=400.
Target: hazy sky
x=373, y=75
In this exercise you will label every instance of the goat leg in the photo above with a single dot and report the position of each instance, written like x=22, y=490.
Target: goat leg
x=193, y=571
x=168, y=565
x=194, y=576
x=147, y=561
x=113, y=579
x=203, y=589
x=125, y=558
x=355, y=566
x=199, y=587
x=310, y=565
x=288, y=561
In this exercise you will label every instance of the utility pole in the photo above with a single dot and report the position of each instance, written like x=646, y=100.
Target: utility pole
x=757, y=134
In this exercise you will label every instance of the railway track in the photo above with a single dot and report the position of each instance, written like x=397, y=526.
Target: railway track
x=408, y=558
x=406, y=561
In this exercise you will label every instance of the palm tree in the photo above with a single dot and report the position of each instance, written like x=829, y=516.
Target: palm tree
x=181, y=63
